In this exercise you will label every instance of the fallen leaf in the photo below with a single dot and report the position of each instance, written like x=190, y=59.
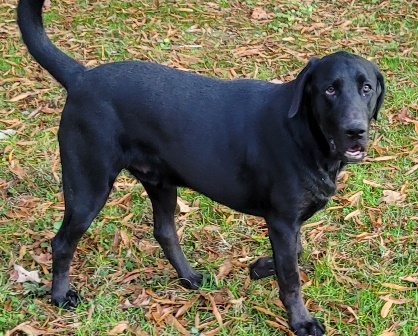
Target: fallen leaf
x=171, y=320
x=4, y=134
x=24, y=275
x=411, y=278
x=119, y=328
x=352, y=214
x=392, y=197
x=21, y=96
x=186, y=306
x=26, y=328
x=259, y=14
x=385, y=309
x=398, y=287
x=183, y=207
x=43, y=258
x=16, y=169
x=224, y=270
x=354, y=199
x=212, y=228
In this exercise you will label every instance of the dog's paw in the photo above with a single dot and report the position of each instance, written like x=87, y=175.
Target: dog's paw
x=192, y=281
x=70, y=300
x=262, y=268
x=309, y=328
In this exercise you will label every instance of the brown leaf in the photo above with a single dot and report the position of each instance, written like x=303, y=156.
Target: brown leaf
x=373, y=184
x=16, y=169
x=352, y=214
x=212, y=228
x=171, y=320
x=26, y=328
x=384, y=158
x=398, y=287
x=147, y=247
x=186, y=306
x=21, y=96
x=215, y=309
x=385, y=309
x=183, y=206
x=392, y=197
x=43, y=258
x=224, y=270
x=259, y=14
x=411, y=278
x=125, y=239
x=354, y=199
x=413, y=169
x=119, y=328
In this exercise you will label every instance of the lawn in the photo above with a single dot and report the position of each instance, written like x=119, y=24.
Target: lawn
x=360, y=264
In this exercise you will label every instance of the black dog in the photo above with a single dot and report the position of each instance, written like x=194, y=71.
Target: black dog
x=264, y=149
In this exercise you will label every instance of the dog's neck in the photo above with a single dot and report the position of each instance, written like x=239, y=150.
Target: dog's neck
x=321, y=155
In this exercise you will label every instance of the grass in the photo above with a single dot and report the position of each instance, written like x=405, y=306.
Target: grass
x=353, y=265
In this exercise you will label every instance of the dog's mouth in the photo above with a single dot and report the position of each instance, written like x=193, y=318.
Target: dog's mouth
x=355, y=153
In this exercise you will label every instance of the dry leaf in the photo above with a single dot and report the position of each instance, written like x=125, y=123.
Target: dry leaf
x=21, y=96
x=392, y=197
x=43, y=258
x=259, y=14
x=24, y=275
x=224, y=270
x=171, y=320
x=354, y=199
x=119, y=328
x=186, y=306
x=26, y=328
x=183, y=207
x=385, y=309
x=398, y=287
x=212, y=228
x=4, y=134
x=352, y=214
x=411, y=278
x=16, y=169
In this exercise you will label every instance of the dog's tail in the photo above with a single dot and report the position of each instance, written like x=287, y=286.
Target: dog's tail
x=59, y=65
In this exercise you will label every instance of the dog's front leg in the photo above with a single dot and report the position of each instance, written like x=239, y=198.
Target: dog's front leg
x=284, y=241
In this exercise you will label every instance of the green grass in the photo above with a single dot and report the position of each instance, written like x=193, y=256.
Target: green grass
x=348, y=263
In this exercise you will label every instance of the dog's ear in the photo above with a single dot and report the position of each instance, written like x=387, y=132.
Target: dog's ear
x=300, y=84
x=380, y=90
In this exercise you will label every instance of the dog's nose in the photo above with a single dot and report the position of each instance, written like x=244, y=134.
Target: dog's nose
x=355, y=133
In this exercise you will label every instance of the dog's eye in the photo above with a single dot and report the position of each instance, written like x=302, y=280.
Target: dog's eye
x=367, y=88
x=330, y=90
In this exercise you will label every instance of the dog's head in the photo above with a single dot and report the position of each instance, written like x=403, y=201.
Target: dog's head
x=344, y=92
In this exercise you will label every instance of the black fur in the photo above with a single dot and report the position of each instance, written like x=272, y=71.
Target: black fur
x=263, y=149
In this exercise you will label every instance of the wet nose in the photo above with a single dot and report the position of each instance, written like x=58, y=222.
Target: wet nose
x=355, y=131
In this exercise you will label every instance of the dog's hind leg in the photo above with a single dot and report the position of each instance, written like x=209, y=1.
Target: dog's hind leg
x=164, y=200
x=264, y=267
x=88, y=177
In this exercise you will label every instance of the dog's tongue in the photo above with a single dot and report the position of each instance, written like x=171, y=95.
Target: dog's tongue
x=354, y=149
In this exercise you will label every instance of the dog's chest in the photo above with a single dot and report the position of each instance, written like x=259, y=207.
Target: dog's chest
x=318, y=187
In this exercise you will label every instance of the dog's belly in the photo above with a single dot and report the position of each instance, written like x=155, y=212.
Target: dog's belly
x=216, y=182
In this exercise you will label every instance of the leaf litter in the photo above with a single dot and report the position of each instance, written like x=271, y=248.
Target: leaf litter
x=271, y=40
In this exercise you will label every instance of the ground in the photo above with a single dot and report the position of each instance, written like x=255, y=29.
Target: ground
x=360, y=265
